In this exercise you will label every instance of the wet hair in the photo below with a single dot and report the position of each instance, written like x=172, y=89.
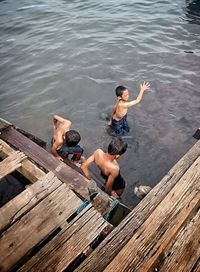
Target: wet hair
x=119, y=90
x=117, y=146
x=72, y=138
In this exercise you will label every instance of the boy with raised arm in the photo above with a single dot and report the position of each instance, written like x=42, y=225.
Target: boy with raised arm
x=65, y=141
x=107, y=163
x=119, y=113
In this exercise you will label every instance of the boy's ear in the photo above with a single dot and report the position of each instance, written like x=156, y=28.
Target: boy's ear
x=117, y=156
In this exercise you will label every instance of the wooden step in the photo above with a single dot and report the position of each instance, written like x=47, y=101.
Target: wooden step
x=36, y=225
x=27, y=169
x=22, y=203
x=11, y=163
x=74, y=239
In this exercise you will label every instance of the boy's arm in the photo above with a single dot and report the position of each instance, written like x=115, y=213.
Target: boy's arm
x=114, y=110
x=109, y=183
x=143, y=88
x=85, y=166
x=54, y=148
x=57, y=118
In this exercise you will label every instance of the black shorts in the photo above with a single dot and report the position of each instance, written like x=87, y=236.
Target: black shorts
x=118, y=183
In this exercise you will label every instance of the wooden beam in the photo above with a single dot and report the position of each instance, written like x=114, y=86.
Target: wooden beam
x=116, y=240
x=25, y=201
x=184, y=252
x=11, y=163
x=4, y=124
x=74, y=239
x=149, y=243
x=196, y=267
x=76, y=181
x=36, y=225
x=27, y=169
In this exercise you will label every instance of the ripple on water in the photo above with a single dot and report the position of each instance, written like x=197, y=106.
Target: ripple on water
x=67, y=57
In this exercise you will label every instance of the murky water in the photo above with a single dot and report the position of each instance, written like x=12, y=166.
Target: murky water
x=67, y=57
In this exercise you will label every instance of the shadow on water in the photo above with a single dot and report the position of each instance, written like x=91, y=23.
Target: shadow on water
x=192, y=11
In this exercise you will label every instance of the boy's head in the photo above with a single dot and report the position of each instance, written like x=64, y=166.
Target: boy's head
x=122, y=92
x=117, y=146
x=72, y=138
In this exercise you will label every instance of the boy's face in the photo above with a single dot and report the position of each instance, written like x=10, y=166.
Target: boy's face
x=125, y=95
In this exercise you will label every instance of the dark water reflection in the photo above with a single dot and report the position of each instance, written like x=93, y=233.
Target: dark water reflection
x=192, y=11
x=67, y=57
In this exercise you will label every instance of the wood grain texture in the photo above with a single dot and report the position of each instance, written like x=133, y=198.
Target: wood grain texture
x=42, y=157
x=184, y=252
x=118, y=238
x=22, y=203
x=27, y=169
x=68, y=244
x=4, y=124
x=36, y=225
x=196, y=267
x=151, y=240
x=11, y=163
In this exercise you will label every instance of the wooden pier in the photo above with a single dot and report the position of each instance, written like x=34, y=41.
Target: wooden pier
x=53, y=226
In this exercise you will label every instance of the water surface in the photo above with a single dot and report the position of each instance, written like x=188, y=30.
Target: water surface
x=67, y=57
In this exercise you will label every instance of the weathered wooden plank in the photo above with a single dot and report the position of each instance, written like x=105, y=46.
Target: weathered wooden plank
x=4, y=124
x=32, y=137
x=115, y=241
x=46, y=160
x=196, y=267
x=185, y=250
x=68, y=244
x=22, y=203
x=27, y=169
x=11, y=163
x=36, y=225
x=150, y=241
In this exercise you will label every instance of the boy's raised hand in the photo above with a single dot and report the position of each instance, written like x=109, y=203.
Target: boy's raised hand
x=145, y=86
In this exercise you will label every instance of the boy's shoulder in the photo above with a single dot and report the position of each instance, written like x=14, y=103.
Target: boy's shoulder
x=114, y=167
x=121, y=102
x=98, y=151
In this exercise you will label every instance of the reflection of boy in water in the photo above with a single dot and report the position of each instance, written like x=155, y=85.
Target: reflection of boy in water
x=119, y=113
x=107, y=163
x=65, y=141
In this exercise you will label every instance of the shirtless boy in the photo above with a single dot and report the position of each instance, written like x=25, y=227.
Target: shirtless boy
x=107, y=163
x=119, y=113
x=65, y=141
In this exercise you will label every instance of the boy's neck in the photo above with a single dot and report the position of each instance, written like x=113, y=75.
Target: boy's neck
x=110, y=157
x=121, y=100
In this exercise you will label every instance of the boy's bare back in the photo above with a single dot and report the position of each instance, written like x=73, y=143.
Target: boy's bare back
x=60, y=127
x=104, y=164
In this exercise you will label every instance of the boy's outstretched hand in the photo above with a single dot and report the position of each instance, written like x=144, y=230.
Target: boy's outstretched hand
x=145, y=86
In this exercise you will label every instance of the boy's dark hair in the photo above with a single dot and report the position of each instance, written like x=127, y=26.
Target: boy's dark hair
x=119, y=90
x=72, y=138
x=117, y=146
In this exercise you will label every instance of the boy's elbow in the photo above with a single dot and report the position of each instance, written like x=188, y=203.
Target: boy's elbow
x=137, y=101
x=52, y=150
x=83, y=167
x=67, y=122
